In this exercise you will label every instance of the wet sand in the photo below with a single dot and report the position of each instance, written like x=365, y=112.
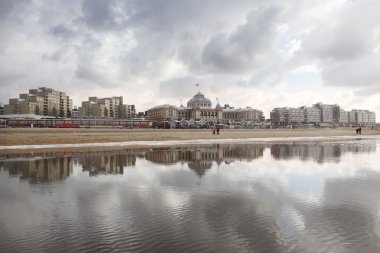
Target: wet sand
x=44, y=136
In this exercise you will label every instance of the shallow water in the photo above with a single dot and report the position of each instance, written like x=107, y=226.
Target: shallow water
x=264, y=197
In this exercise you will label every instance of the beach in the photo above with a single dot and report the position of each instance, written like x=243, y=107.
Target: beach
x=51, y=136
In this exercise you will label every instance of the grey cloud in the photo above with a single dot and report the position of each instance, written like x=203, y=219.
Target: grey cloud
x=268, y=77
x=102, y=15
x=180, y=30
x=184, y=88
x=345, y=41
x=175, y=16
x=7, y=7
x=158, y=15
x=254, y=34
x=362, y=73
x=89, y=74
x=177, y=88
x=345, y=47
x=12, y=13
x=246, y=46
x=56, y=56
x=61, y=31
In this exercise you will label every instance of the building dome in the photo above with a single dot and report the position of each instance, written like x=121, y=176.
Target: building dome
x=199, y=100
x=200, y=167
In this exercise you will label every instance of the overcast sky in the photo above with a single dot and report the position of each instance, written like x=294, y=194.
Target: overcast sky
x=257, y=53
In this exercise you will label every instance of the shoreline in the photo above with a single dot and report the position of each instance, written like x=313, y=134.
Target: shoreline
x=67, y=139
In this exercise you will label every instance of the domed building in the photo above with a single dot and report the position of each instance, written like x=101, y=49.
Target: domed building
x=200, y=109
x=200, y=101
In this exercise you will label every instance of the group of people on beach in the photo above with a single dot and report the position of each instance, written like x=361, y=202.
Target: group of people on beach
x=359, y=130
x=217, y=129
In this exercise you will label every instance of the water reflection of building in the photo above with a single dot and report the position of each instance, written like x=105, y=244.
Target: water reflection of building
x=360, y=148
x=319, y=152
x=163, y=155
x=201, y=159
x=218, y=153
x=106, y=164
x=40, y=169
x=244, y=152
x=198, y=160
x=200, y=167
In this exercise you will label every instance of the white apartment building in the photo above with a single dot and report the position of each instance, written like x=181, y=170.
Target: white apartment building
x=311, y=115
x=290, y=116
x=371, y=117
x=344, y=116
x=327, y=112
x=362, y=116
x=295, y=116
x=352, y=116
x=321, y=113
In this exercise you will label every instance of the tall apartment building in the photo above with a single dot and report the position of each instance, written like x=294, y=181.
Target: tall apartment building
x=365, y=116
x=312, y=115
x=344, y=117
x=279, y=116
x=127, y=111
x=295, y=116
x=287, y=116
x=362, y=117
x=352, y=116
x=321, y=113
x=1, y=109
x=329, y=113
x=111, y=107
x=42, y=101
x=371, y=117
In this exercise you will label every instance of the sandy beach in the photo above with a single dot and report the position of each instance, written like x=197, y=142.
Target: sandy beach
x=43, y=136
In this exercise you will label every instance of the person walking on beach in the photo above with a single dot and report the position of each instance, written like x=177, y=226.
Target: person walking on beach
x=213, y=130
x=360, y=130
x=217, y=130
